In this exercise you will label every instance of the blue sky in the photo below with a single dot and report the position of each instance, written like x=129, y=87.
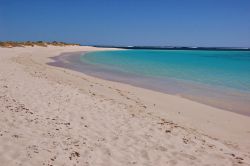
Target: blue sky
x=128, y=22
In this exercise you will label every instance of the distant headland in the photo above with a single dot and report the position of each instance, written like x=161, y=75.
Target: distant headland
x=178, y=48
x=10, y=44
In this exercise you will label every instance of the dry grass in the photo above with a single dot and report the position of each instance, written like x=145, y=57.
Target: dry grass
x=10, y=44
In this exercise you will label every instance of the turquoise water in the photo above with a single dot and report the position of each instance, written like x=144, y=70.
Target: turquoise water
x=229, y=69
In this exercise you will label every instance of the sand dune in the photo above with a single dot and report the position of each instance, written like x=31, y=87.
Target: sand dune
x=54, y=116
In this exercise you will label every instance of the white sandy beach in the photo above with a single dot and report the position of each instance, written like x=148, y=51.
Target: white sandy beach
x=55, y=116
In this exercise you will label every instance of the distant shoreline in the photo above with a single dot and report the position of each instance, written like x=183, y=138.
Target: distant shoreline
x=177, y=48
x=11, y=44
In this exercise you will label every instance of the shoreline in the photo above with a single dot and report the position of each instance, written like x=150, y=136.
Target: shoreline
x=53, y=115
x=204, y=94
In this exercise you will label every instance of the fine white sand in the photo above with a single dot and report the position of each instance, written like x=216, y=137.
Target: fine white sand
x=55, y=116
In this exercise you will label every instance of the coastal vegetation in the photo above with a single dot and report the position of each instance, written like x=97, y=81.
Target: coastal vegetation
x=10, y=44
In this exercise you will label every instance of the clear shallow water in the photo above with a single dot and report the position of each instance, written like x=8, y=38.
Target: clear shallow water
x=224, y=69
x=217, y=78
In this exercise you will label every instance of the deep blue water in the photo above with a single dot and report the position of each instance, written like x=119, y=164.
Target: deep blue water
x=229, y=69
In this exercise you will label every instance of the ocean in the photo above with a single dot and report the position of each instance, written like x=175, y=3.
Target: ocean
x=217, y=78
x=229, y=69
